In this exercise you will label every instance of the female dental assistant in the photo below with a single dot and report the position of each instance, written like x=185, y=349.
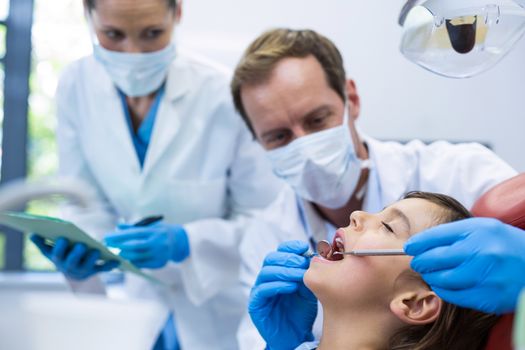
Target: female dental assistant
x=155, y=133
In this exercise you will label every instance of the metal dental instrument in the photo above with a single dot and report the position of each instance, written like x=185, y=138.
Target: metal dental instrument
x=325, y=249
x=309, y=254
x=373, y=252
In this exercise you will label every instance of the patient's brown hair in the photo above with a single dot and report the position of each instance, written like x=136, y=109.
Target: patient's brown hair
x=456, y=328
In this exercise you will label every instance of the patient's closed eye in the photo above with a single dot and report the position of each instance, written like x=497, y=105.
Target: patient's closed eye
x=387, y=227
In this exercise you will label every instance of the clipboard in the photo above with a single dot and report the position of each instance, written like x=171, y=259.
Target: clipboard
x=53, y=228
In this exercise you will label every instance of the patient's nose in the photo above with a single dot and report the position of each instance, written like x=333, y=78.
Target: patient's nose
x=360, y=220
x=357, y=220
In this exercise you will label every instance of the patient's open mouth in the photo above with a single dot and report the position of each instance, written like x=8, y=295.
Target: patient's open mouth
x=338, y=246
x=327, y=250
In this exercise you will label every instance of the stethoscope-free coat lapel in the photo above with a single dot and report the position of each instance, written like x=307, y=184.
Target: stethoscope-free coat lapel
x=113, y=129
x=169, y=116
x=111, y=126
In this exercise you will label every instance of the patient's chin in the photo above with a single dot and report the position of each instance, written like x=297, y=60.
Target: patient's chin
x=313, y=280
x=326, y=286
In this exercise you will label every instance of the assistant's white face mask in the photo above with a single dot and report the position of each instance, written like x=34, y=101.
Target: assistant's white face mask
x=135, y=74
x=322, y=167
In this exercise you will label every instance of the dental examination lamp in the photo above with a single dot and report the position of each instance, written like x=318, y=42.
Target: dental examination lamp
x=460, y=38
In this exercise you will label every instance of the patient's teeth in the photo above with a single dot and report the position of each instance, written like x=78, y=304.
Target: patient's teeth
x=339, y=244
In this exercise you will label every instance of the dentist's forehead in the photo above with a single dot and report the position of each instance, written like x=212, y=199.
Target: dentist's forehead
x=295, y=88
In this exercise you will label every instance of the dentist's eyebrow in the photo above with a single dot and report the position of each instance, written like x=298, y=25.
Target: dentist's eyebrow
x=316, y=111
x=311, y=114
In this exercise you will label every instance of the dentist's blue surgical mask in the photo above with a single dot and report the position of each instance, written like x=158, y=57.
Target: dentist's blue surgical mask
x=322, y=167
x=136, y=74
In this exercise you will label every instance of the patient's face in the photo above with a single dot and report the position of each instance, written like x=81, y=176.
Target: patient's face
x=364, y=282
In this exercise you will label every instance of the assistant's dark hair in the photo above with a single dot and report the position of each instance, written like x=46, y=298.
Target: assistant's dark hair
x=456, y=328
x=90, y=4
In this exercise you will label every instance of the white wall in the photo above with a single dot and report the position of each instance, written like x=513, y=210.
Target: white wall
x=400, y=100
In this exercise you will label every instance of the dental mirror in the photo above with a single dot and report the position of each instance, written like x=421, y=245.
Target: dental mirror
x=325, y=249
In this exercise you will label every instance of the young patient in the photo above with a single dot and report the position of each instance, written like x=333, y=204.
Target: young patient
x=378, y=302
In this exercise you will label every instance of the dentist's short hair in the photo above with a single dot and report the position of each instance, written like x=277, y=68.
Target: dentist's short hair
x=263, y=55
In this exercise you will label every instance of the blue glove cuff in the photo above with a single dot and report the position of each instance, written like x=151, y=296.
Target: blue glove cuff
x=180, y=244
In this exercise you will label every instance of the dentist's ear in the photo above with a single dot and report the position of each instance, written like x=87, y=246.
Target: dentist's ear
x=178, y=12
x=417, y=307
x=354, y=101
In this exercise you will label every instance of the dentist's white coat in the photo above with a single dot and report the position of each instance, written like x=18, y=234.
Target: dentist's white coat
x=464, y=171
x=202, y=169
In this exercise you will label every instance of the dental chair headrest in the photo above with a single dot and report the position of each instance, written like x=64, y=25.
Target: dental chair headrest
x=505, y=202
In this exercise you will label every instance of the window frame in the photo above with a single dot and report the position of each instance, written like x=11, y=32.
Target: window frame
x=17, y=70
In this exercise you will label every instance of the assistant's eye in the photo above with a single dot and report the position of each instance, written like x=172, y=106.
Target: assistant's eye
x=388, y=227
x=114, y=35
x=153, y=33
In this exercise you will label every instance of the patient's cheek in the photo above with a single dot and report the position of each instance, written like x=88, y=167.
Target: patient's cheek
x=378, y=241
x=356, y=279
x=341, y=279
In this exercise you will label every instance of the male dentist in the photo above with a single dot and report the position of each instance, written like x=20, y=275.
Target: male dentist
x=291, y=88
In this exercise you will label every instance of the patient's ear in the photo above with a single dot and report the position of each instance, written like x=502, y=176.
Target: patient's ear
x=417, y=307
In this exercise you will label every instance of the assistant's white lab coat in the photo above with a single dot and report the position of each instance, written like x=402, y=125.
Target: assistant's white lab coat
x=463, y=171
x=202, y=170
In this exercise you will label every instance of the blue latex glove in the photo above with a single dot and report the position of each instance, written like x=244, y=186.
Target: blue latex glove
x=476, y=263
x=280, y=305
x=150, y=246
x=75, y=261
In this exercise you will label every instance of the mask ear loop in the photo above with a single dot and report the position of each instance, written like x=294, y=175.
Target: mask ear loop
x=364, y=163
x=359, y=195
x=346, y=114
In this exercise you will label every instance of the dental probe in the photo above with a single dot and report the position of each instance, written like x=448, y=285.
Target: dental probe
x=309, y=254
x=373, y=252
